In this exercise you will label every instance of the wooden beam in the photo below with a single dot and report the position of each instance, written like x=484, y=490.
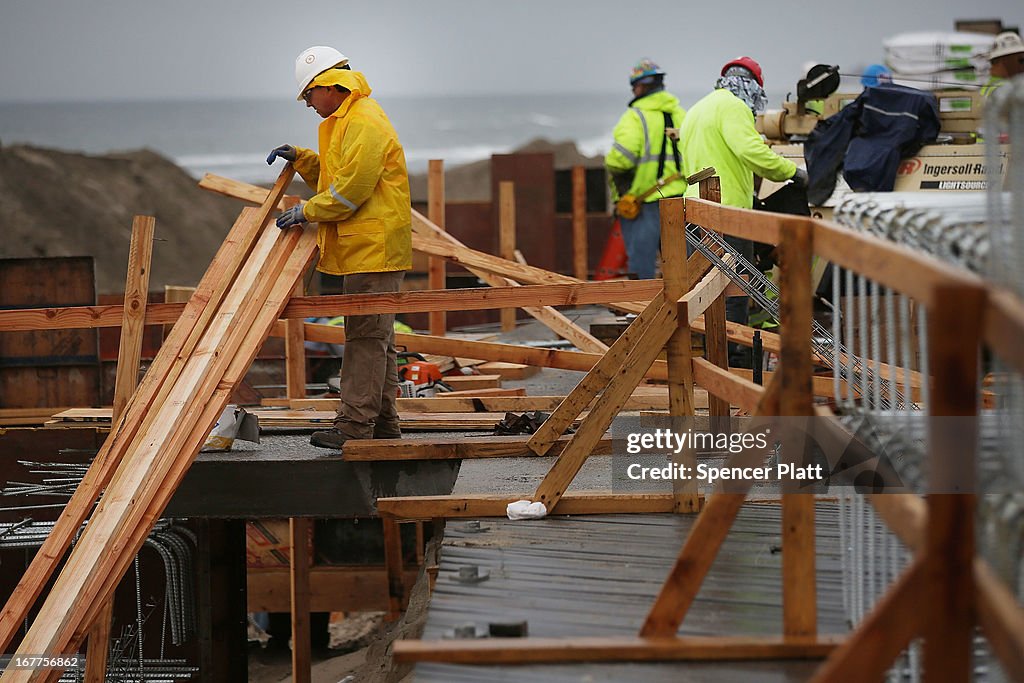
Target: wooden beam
x=393, y=564
x=295, y=354
x=129, y=354
x=707, y=212
x=244, y=191
x=87, y=579
x=579, y=222
x=302, y=666
x=606, y=407
x=472, y=506
x=644, y=398
x=461, y=348
x=621, y=649
x=678, y=349
x=448, y=448
x=949, y=547
x=332, y=588
x=799, y=585
x=225, y=263
x=436, y=276
x=870, y=651
x=507, y=239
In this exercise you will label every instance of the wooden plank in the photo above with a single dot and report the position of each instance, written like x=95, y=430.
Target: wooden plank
x=610, y=649
x=132, y=484
x=295, y=355
x=716, y=348
x=799, y=586
x=528, y=296
x=949, y=547
x=479, y=393
x=136, y=294
x=870, y=651
x=599, y=374
x=393, y=564
x=579, y=222
x=561, y=325
x=677, y=350
x=473, y=382
x=644, y=398
x=436, y=276
x=547, y=358
x=244, y=191
x=507, y=239
x=508, y=371
x=752, y=225
x=296, y=254
x=297, y=259
x=302, y=666
x=224, y=264
x=447, y=448
x=472, y=506
x=332, y=589
x=608, y=404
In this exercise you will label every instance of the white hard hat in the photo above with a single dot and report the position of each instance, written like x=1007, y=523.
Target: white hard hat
x=1007, y=43
x=313, y=61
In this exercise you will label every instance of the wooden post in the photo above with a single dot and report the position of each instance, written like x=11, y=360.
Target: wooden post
x=950, y=610
x=800, y=617
x=680, y=364
x=393, y=566
x=507, y=239
x=298, y=528
x=295, y=353
x=129, y=354
x=716, y=346
x=437, y=278
x=579, y=222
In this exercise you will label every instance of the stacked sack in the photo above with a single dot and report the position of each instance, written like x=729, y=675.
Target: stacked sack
x=939, y=60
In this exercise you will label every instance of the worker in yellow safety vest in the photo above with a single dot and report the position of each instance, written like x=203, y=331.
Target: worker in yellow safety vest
x=1006, y=60
x=363, y=208
x=644, y=153
x=719, y=131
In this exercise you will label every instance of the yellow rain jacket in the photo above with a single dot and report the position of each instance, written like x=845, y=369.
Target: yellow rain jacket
x=362, y=203
x=719, y=131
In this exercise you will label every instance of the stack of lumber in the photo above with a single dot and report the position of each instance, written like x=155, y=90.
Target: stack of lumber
x=159, y=433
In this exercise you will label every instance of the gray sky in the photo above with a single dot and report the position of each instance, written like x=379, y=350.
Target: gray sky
x=54, y=50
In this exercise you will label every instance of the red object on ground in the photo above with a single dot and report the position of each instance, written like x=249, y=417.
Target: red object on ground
x=614, y=259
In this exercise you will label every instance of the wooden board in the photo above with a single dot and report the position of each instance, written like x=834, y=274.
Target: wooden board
x=468, y=382
x=508, y=371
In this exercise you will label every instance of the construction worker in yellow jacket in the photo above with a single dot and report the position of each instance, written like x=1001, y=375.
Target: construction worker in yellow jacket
x=362, y=205
x=645, y=151
x=719, y=131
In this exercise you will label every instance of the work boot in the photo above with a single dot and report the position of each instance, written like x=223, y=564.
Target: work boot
x=331, y=438
x=387, y=430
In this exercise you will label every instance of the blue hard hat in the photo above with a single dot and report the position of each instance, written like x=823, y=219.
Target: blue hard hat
x=875, y=75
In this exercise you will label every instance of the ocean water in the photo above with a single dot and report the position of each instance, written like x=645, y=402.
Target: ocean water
x=232, y=137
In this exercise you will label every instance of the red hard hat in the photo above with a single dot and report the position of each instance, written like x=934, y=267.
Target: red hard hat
x=746, y=63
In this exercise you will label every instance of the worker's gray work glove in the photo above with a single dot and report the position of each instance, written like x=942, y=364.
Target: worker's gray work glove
x=286, y=152
x=292, y=216
x=800, y=178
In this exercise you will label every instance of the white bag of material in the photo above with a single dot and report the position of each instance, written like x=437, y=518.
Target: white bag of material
x=960, y=79
x=233, y=423
x=945, y=50
x=526, y=509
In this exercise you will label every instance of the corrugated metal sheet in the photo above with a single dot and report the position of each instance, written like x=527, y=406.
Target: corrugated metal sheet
x=598, y=576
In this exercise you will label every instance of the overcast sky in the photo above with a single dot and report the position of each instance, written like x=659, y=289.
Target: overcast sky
x=54, y=50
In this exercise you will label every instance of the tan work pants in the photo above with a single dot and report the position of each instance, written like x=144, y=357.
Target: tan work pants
x=369, y=374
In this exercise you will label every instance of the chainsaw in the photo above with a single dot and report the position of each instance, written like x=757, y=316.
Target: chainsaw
x=419, y=378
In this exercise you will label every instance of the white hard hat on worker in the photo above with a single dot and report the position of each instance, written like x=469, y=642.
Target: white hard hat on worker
x=313, y=61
